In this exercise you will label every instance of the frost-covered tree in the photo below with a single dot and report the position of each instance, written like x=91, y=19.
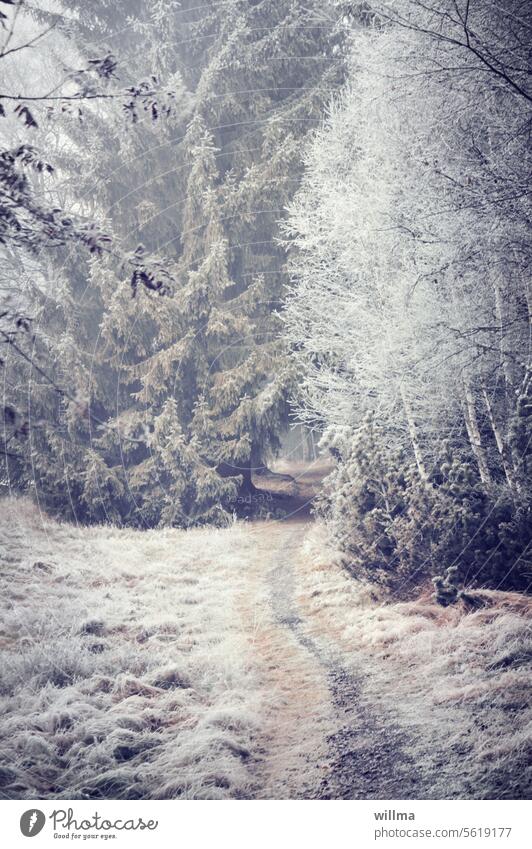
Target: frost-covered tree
x=267, y=69
x=51, y=314
x=57, y=101
x=205, y=188
x=410, y=297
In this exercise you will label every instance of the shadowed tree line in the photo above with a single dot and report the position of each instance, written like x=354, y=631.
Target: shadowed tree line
x=156, y=410
x=410, y=308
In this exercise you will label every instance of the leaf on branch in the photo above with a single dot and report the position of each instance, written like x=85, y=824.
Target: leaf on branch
x=142, y=95
x=27, y=155
x=149, y=273
x=140, y=275
x=23, y=112
x=96, y=241
x=23, y=323
x=105, y=68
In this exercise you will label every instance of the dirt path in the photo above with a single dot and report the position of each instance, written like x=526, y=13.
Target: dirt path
x=319, y=741
x=244, y=663
x=297, y=714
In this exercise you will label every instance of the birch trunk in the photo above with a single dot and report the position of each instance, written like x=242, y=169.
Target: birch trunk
x=503, y=449
x=473, y=432
x=414, y=437
x=505, y=360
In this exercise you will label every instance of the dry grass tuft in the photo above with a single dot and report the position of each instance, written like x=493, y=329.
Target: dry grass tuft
x=125, y=673
x=458, y=680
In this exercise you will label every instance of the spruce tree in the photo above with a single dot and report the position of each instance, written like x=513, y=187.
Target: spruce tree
x=268, y=69
x=173, y=400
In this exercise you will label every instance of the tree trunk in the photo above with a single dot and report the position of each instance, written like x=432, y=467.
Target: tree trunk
x=505, y=360
x=473, y=432
x=311, y=446
x=503, y=449
x=245, y=470
x=528, y=298
x=414, y=437
x=253, y=467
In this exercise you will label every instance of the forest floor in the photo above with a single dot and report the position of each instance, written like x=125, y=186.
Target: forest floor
x=246, y=663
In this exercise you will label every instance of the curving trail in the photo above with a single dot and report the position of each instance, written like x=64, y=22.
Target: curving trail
x=317, y=739
x=297, y=713
x=245, y=663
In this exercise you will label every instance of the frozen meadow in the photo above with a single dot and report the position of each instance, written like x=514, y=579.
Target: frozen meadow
x=230, y=663
x=124, y=671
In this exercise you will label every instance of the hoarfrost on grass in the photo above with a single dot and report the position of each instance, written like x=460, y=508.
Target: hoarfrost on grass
x=458, y=681
x=124, y=671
